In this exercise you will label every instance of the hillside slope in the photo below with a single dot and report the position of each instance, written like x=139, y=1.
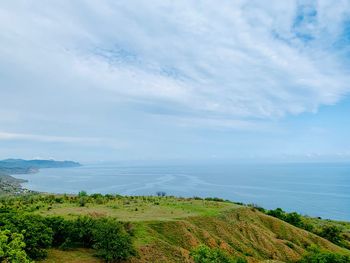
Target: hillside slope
x=166, y=229
x=241, y=232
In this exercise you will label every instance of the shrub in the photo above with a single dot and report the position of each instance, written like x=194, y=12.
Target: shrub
x=82, y=230
x=257, y=207
x=12, y=247
x=204, y=254
x=278, y=212
x=332, y=233
x=82, y=194
x=294, y=219
x=161, y=194
x=315, y=255
x=37, y=235
x=112, y=241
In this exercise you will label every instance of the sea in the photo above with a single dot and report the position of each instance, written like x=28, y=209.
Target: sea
x=313, y=189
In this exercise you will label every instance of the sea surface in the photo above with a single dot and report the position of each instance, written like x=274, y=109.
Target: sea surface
x=310, y=189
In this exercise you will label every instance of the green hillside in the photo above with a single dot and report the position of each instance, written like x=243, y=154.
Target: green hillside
x=167, y=229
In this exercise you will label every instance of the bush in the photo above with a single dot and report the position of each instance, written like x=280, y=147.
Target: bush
x=82, y=194
x=112, y=241
x=161, y=194
x=293, y=218
x=12, y=247
x=37, y=235
x=257, y=207
x=278, y=213
x=332, y=233
x=315, y=255
x=204, y=254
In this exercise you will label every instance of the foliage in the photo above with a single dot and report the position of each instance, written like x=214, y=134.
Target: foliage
x=82, y=194
x=204, y=254
x=315, y=255
x=37, y=235
x=293, y=218
x=12, y=247
x=112, y=241
x=332, y=233
x=161, y=194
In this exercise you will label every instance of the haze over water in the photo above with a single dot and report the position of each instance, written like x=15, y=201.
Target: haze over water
x=313, y=189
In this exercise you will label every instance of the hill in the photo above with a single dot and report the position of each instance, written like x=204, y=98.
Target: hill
x=34, y=164
x=8, y=167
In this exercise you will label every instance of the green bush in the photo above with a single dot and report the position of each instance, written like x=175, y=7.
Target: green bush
x=37, y=235
x=112, y=241
x=315, y=255
x=332, y=233
x=204, y=254
x=293, y=218
x=12, y=247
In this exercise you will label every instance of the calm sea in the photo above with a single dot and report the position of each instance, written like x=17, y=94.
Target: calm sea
x=312, y=189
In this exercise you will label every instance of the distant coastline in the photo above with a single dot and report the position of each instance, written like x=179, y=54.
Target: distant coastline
x=10, y=167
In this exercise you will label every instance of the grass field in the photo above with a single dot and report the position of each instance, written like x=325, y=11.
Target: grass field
x=140, y=209
x=73, y=256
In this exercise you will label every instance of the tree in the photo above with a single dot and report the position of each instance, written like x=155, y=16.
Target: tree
x=112, y=242
x=161, y=193
x=82, y=194
x=294, y=219
x=12, y=247
x=278, y=212
x=37, y=235
x=332, y=233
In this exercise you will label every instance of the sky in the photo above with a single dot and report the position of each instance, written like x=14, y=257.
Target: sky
x=110, y=80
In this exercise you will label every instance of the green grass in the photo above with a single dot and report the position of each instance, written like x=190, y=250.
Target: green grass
x=71, y=256
x=166, y=229
x=134, y=209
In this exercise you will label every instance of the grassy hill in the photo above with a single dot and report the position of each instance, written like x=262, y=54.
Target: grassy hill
x=167, y=229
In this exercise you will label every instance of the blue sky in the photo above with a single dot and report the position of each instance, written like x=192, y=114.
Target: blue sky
x=110, y=80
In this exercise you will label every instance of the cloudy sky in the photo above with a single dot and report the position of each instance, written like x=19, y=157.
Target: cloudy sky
x=94, y=80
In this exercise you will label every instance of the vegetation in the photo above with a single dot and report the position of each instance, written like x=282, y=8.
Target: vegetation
x=110, y=238
x=204, y=254
x=12, y=247
x=156, y=229
x=335, y=232
x=316, y=255
x=112, y=241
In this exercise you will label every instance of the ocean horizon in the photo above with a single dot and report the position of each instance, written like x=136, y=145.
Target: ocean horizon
x=313, y=189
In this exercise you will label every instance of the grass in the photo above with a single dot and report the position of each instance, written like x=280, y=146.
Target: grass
x=71, y=256
x=166, y=229
x=134, y=209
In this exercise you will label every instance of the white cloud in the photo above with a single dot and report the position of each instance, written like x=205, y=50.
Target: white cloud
x=240, y=58
x=90, y=141
x=131, y=72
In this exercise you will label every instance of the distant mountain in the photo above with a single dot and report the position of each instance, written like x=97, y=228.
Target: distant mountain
x=20, y=163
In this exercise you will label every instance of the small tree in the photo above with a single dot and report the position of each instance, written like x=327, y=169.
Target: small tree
x=294, y=219
x=37, y=235
x=111, y=240
x=332, y=233
x=82, y=194
x=278, y=212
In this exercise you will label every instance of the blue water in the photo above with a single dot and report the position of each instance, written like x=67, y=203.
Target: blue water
x=311, y=189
